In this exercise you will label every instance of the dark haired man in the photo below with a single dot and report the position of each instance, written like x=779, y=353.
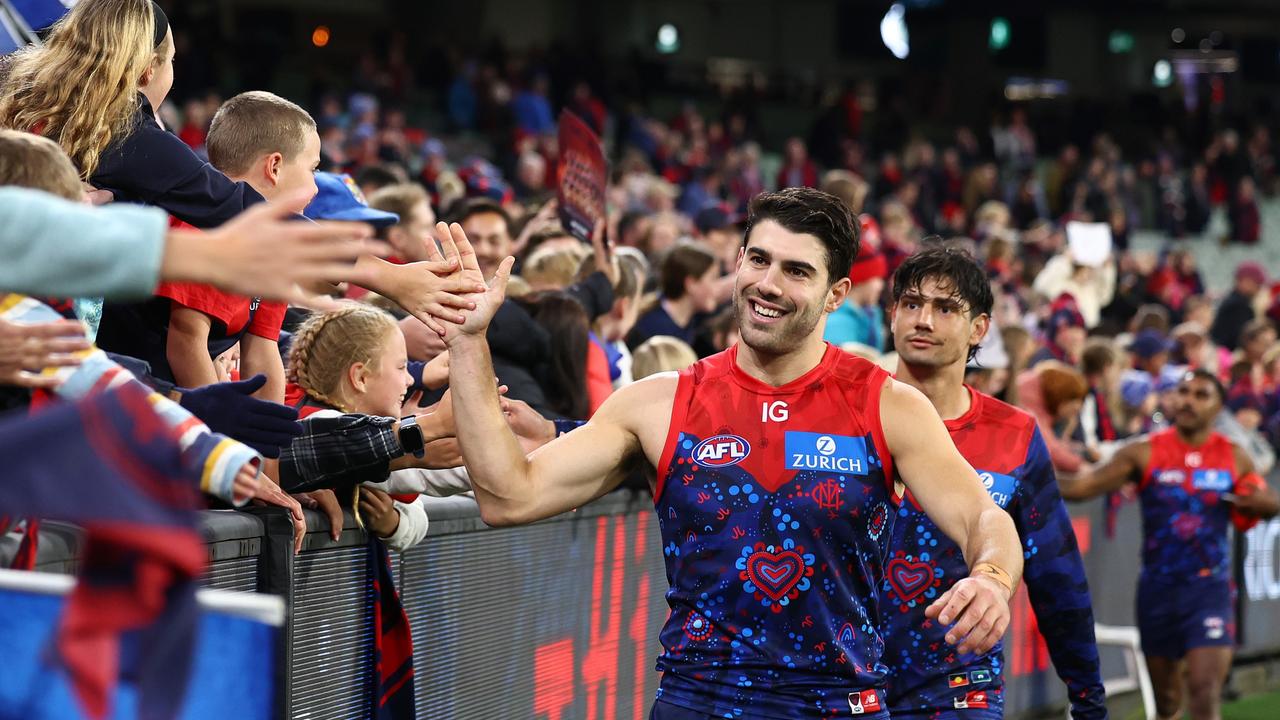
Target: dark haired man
x=488, y=227
x=941, y=312
x=1192, y=482
x=774, y=486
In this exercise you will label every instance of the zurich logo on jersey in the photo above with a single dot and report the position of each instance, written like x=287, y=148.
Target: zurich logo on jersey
x=826, y=453
x=1212, y=480
x=999, y=486
x=721, y=451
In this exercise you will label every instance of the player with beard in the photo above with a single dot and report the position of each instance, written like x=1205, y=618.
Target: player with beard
x=1191, y=482
x=774, y=487
x=941, y=312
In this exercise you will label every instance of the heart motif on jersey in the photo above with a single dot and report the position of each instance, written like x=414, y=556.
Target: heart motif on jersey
x=775, y=573
x=909, y=578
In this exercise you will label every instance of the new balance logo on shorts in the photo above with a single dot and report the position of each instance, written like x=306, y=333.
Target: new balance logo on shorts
x=976, y=700
x=866, y=701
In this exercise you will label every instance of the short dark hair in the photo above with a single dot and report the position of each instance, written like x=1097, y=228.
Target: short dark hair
x=813, y=212
x=1098, y=355
x=479, y=206
x=968, y=281
x=378, y=176
x=685, y=260
x=1202, y=374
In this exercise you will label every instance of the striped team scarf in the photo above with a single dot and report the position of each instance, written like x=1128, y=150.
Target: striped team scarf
x=392, y=693
x=127, y=464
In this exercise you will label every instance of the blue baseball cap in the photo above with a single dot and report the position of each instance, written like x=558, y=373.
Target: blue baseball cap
x=1149, y=343
x=339, y=198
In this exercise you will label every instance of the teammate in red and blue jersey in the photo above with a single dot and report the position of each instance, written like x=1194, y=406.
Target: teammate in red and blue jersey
x=774, y=488
x=941, y=312
x=1192, y=482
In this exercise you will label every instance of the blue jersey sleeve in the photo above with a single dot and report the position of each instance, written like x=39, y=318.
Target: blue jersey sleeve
x=1056, y=583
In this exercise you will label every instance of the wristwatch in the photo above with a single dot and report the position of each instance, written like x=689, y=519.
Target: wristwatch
x=411, y=436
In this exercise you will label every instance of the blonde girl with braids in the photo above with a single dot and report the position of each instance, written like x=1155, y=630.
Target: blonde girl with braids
x=94, y=88
x=353, y=361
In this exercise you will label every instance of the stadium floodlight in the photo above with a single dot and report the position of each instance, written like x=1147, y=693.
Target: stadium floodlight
x=893, y=31
x=668, y=39
x=1162, y=74
x=998, y=39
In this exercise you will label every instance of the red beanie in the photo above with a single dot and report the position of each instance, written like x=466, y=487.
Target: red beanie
x=868, y=265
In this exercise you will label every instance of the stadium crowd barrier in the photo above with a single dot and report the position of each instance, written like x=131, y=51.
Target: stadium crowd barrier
x=560, y=619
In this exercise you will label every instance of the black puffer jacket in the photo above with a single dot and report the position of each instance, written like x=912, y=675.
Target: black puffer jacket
x=521, y=349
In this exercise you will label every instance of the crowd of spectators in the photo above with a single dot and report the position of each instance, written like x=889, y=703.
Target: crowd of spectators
x=1093, y=350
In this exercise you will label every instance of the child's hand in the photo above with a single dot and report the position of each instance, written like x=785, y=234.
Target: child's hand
x=379, y=512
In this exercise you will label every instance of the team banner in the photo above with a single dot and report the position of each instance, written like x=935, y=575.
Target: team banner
x=582, y=176
x=231, y=674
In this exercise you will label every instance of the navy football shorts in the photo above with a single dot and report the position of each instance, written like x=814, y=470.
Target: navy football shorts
x=1175, y=617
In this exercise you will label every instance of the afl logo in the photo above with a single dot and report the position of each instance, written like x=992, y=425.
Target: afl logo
x=721, y=451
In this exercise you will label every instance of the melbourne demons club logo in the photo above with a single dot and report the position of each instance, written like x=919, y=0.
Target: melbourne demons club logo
x=721, y=451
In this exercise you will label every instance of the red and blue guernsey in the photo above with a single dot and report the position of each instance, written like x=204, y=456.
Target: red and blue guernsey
x=927, y=677
x=775, y=505
x=1186, y=599
x=1184, y=520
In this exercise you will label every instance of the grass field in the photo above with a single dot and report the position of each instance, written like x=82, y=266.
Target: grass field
x=1255, y=707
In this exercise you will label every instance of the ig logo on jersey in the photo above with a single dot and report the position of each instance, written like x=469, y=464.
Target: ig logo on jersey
x=721, y=451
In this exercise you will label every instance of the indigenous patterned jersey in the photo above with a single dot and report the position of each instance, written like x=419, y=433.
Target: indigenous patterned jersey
x=926, y=675
x=1184, y=520
x=775, y=506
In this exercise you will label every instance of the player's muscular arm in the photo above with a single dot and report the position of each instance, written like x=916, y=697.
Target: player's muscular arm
x=564, y=474
x=1123, y=467
x=187, y=348
x=952, y=495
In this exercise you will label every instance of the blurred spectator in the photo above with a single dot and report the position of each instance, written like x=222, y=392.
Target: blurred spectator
x=1237, y=308
x=688, y=278
x=1101, y=370
x=531, y=178
x=1196, y=351
x=1176, y=279
x=1093, y=288
x=1064, y=338
x=860, y=318
x=564, y=376
x=551, y=267
x=488, y=228
x=797, y=169
x=660, y=354
x=1198, y=202
x=532, y=109
x=1150, y=350
x=410, y=236
x=1054, y=393
x=372, y=178
x=1246, y=219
